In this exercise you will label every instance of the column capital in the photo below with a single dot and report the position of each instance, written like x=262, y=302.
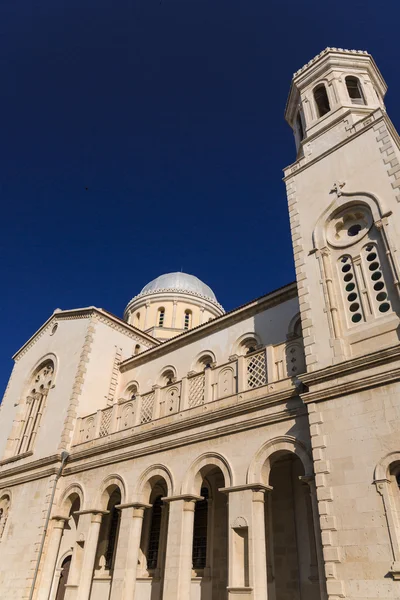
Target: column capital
x=254, y=487
x=59, y=521
x=184, y=497
x=91, y=511
x=307, y=479
x=133, y=505
x=96, y=514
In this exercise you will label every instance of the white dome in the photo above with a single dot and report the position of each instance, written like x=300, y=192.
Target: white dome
x=179, y=282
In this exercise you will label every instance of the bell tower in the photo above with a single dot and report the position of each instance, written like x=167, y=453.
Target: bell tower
x=344, y=206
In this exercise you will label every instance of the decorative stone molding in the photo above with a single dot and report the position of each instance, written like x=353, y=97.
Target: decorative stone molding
x=389, y=157
x=383, y=483
x=239, y=523
x=34, y=340
x=325, y=52
x=70, y=420
x=302, y=286
x=332, y=552
x=114, y=375
x=174, y=291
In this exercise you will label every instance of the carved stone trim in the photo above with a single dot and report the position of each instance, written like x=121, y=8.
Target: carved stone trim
x=70, y=420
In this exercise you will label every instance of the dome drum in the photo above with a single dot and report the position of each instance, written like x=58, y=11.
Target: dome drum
x=171, y=304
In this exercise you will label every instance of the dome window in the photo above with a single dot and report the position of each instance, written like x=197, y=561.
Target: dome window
x=321, y=100
x=354, y=90
x=161, y=314
x=188, y=319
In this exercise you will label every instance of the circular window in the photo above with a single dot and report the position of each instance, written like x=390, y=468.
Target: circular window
x=373, y=266
x=350, y=287
x=346, y=268
x=354, y=307
x=352, y=297
x=348, y=226
x=356, y=318
x=54, y=329
x=376, y=276
x=381, y=296
x=371, y=256
x=384, y=307
x=378, y=286
x=348, y=277
x=354, y=230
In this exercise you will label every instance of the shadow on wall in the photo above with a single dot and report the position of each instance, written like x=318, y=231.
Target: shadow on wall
x=280, y=329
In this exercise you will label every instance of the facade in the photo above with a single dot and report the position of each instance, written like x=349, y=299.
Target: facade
x=185, y=453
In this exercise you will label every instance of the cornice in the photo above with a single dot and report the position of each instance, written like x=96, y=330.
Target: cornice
x=326, y=52
x=162, y=291
x=283, y=294
x=341, y=389
x=352, y=365
x=101, y=455
x=36, y=466
x=329, y=381
x=229, y=429
x=199, y=420
x=359, y=128
x=85, y=313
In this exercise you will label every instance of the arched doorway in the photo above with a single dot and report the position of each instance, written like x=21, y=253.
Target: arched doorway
x=291, y=547
x=62, y=582
x=210, y=537
x=151, y=560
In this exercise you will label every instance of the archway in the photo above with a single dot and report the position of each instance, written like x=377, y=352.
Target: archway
x=292, y=567
x=155, y=485
x=63, y=580
x=210, y=527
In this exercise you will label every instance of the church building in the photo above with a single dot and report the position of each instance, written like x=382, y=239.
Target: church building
x=188, y=453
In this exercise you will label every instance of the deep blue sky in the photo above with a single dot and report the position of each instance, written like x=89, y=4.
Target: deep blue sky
x=171, y=114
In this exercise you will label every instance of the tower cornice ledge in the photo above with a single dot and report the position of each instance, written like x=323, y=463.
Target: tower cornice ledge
x=362, y=372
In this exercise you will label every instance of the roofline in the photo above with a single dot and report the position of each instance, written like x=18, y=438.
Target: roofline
x=282, y=294
x=88, y=310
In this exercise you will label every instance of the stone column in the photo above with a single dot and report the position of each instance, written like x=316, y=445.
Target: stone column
x=89, y=554
x=259, y=544
x=51, y=557
x=173, y=324
x=247, y=547
x=241, y=372
x=126, y=559
x=207, y=384
x=178, y=563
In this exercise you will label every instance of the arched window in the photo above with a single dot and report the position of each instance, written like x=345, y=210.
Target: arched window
x=38, y=390
x=167, y=377
x=107, y=543
x=300, y=128
x=161, y=314
x=137, y=349
x=154, y=534
x=354, y=90
x=248, y=345
x=321, y=100
x=132, y=391
x=188, y=319
x=200, y=531
x=137, y=319
x=113, y=525
x=205, y=362
x=362, y=264
x=4, y=510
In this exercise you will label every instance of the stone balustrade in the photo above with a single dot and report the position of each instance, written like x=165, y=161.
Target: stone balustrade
x=242, y=373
